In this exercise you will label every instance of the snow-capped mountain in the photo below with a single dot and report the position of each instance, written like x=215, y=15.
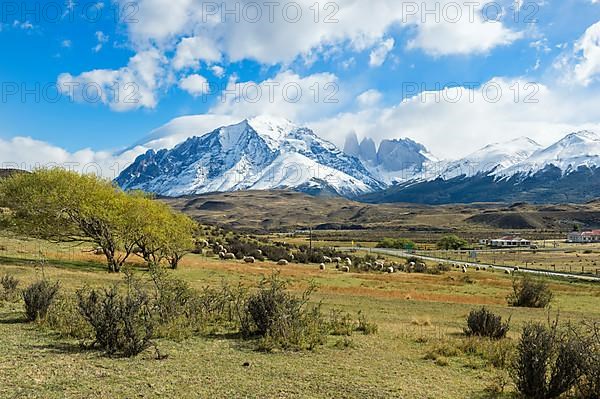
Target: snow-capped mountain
x=491, y=158
x=580, y=149
x=520, y=170
x=395, y=161
x=257, y=154
x=266, y=153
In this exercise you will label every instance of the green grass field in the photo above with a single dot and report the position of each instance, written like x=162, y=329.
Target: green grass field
x=413, y=355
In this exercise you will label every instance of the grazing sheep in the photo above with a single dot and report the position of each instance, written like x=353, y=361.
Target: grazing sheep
x=292, y=257
x=380, y=263
x=222, y=255
x=477, y=268
x=390, y=269
x=369, y=265
x=337, y=259
x=229, y=256
x=348, y=262
x=259, y=251
x=516, y=268
x=220, y=248
x=506, y=271
x=282, y=262
x=322, y=266
x=327, y=259
x=345, y=269
x=464, y=269
x=412, y=264
x=249, y=259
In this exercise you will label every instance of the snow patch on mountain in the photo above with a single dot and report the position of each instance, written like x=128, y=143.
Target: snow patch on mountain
x=491, y=158
x=260, y=153
x=580, y=149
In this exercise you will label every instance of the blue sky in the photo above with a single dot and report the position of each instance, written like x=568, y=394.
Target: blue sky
x=170, y=51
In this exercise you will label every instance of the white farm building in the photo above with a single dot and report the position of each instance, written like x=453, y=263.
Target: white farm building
x=510, y=242
x=584, y=236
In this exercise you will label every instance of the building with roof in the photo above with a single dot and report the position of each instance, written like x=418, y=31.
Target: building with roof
x=510, y=242
x=584, y=236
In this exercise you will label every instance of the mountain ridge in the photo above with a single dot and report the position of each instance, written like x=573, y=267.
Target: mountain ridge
x=266, y=153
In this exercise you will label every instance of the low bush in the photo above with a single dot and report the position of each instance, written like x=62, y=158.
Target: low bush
x=340, y=323
x=589, y=384
x=122, y=323
x=365, y=326
x=9, y=288
x=396, y=243
x=549, y=361
x=530, y=293
x=484, y=323
x=64, y=318
x=280, y=319
x=38, y=297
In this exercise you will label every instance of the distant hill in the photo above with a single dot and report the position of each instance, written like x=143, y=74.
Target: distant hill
x=286, y=211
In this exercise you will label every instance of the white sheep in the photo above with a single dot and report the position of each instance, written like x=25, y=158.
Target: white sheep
x=464, y=269
x=337, y=259
x=259, y=251
x=282, y=262
x=380, y=263
x=322, y=266
x=390, y=269
x=222, y=255
x=348, y=262
x=327, y=259
x=345, y=269
x=249, y=259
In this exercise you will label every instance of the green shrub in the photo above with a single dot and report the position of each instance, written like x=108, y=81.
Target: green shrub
x=340, y=323
x=38, y=297
x=530, y=293
x=9, y=288
x=280, y=319
x=484, y=323
x=122, y=323
x=548, y=362
x=396, y=243
x=64, y=318
x=589, y=385
x=451, y=242
x=365, y=326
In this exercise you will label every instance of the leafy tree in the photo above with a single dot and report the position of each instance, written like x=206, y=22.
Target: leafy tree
x=60, y=205
x=451, y=242
x=397, y=243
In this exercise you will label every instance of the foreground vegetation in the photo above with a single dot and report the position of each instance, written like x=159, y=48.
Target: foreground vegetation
x=420, y=344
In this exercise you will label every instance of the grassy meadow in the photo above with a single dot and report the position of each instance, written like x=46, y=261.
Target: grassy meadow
x=419, y=351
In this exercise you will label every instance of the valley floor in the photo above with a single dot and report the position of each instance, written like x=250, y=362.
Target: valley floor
x=417, y=314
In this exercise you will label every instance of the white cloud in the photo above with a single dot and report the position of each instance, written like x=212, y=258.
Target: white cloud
x=191, y=50
x=218, y=71
x=101, y=38
x=195, y=85
x=379, y=54
x=66, y=43
x=469, y=34
x=587, y=51
x=269, y=33
x=287, y=95
x=454, y=128
x=29, y=154
x=369, y=98
x=124, y=89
